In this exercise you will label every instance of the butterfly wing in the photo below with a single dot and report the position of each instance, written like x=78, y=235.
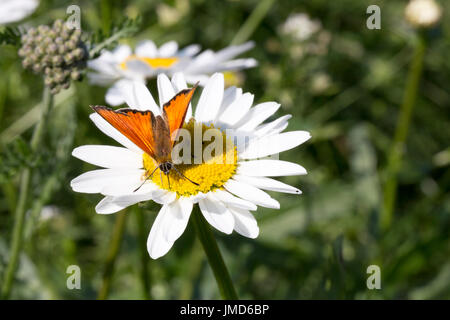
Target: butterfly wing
x=175, y=110
x=134, y=124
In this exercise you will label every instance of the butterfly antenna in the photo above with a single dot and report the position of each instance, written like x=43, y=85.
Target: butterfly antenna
x=185, y=176
x=149, y=177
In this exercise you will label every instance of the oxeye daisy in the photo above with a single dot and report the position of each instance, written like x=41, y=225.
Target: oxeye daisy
x=226, y=186
x=122, y=66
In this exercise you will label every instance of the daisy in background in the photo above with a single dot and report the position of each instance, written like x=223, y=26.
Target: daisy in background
x=15, y=10
x=226, y=193
x=122, y=66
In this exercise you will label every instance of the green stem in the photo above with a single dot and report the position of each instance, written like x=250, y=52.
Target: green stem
x=252, y=22
x=401, y=133
x=142, y=238
x=25, y=185
x=215, y=259
x=114, y=247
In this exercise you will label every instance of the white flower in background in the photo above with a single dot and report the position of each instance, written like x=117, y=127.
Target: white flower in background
x=226, y=193
x=300, y=26
x=423, y=13
x=15, y=10
x=121, y=66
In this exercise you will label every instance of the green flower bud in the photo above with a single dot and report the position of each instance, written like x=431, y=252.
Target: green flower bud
x=69, y=58
x=37, y=67
x=57, y=60
x=26, y=63
x=58, y=24
x=75, y=75
x=52, y=48
x=48, y=81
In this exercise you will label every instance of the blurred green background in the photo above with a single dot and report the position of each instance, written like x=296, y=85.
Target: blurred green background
x=344, y=83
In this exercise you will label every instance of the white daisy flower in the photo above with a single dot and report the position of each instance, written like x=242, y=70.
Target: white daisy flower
x=121, y=66
x=225, y=192
x=423, y=13
x=15, y=10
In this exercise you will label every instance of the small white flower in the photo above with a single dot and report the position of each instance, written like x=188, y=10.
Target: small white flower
x=121, y=66
x=226, y=192
x=15, y=10
x=423, y=13
x=300, y=26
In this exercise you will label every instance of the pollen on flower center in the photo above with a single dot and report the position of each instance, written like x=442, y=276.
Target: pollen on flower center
x=155, y=63
x=210, y=173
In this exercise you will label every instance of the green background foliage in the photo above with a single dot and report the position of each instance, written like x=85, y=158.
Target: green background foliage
x=344, y=85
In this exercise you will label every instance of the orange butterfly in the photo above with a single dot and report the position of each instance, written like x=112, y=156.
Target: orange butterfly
x=152, y=134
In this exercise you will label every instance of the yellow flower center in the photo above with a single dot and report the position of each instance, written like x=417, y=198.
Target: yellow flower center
x=211, y=169
x=155, y=63
x=232, y=78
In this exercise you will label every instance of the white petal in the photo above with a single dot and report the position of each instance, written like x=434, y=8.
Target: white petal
x=251, y=193
x=157, y=244
x=15, y=10
x=168, y=49
x=270, y=168
x=114, y=96
x=137, y=96
x=165, y=89
x=268, y=145
x=179, y=213
x=131, y=188
x=113, y=204
x=229, y=96
x=231, y=201
x=232, y=65
x=211, y=99
x=257, y=115
x=146, y=48
x=121, y=52
x=105, y=64
x=232, y=51
x=163, y=196
x=178, y=82
x=108, y=156
x=112, y=132
x=245, y=223
x=275, y=126
x=94, y=181
x=217, y=214
x=189, y=51
x=267, y=184
x=236, y=110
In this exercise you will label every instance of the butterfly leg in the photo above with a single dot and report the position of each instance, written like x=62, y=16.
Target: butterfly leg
x=184, y=176
x=168, y=180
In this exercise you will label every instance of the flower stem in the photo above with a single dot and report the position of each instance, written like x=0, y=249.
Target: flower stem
x=401, y=132
x=252, y=22
x=25, y=185
x=114, y=247
x=215, y=259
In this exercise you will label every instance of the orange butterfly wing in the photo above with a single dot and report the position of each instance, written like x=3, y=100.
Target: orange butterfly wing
x=175, y=110
x=134, y=124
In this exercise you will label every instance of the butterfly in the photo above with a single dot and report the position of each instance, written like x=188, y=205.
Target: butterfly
x=155, y=135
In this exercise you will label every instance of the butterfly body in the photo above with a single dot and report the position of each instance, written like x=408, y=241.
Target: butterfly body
x=155, y=135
